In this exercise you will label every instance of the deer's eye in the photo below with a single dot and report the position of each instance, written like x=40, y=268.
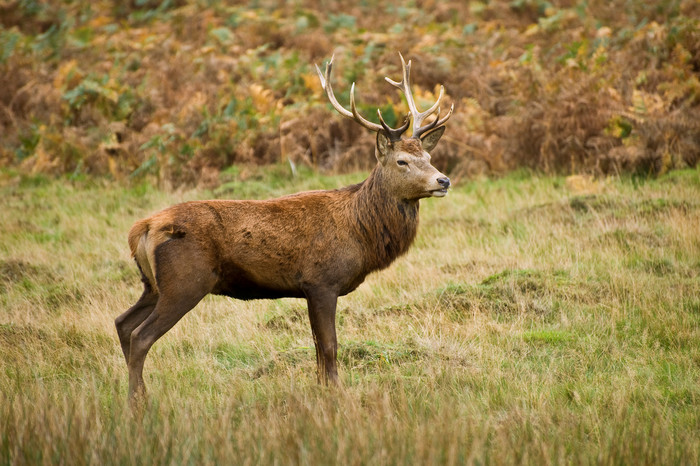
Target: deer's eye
x=401, y=163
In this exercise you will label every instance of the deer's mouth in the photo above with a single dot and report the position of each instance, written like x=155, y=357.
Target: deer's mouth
x=442, y=192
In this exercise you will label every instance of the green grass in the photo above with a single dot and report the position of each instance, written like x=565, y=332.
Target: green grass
x=527, y=324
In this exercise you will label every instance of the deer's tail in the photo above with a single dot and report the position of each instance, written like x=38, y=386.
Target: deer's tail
x=142, y=251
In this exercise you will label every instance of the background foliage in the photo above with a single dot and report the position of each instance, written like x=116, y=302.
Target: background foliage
x=180, y=89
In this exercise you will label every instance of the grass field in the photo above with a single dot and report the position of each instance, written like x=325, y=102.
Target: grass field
x=532, y=322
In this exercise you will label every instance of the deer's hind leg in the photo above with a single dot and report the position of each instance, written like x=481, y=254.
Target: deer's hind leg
x=134, y=316
x=183, y=276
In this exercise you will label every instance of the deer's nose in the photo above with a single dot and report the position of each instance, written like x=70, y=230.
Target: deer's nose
x=444, y=182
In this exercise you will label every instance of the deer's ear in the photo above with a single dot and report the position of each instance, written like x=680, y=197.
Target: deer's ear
x=383, y=147
x=431, y=138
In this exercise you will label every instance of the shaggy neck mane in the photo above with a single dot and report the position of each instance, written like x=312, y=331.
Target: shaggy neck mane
x=386, y=225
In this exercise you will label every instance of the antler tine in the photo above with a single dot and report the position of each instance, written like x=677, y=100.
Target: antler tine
x=435, y=123
x=359, y=118
x=444, y=119
x=354, y=114
x=326, y=85
x=405, y=86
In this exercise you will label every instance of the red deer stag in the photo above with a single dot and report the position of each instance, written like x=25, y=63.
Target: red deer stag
x=316, y=245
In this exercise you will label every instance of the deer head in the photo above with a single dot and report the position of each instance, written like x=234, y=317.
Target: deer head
x=404, y=163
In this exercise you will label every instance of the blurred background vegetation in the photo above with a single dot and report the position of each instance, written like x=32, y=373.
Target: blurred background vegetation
x=180, y=90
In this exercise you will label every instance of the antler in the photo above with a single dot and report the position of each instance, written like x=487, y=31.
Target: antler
x=405, y=86
x=394, y=134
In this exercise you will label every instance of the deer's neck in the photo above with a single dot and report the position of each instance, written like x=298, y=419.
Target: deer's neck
x=386, y=225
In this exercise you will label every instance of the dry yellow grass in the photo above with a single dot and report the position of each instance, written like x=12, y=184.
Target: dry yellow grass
x=527, y=324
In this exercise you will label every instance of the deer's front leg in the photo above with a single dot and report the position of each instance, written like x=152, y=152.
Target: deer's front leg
x=322, y=305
